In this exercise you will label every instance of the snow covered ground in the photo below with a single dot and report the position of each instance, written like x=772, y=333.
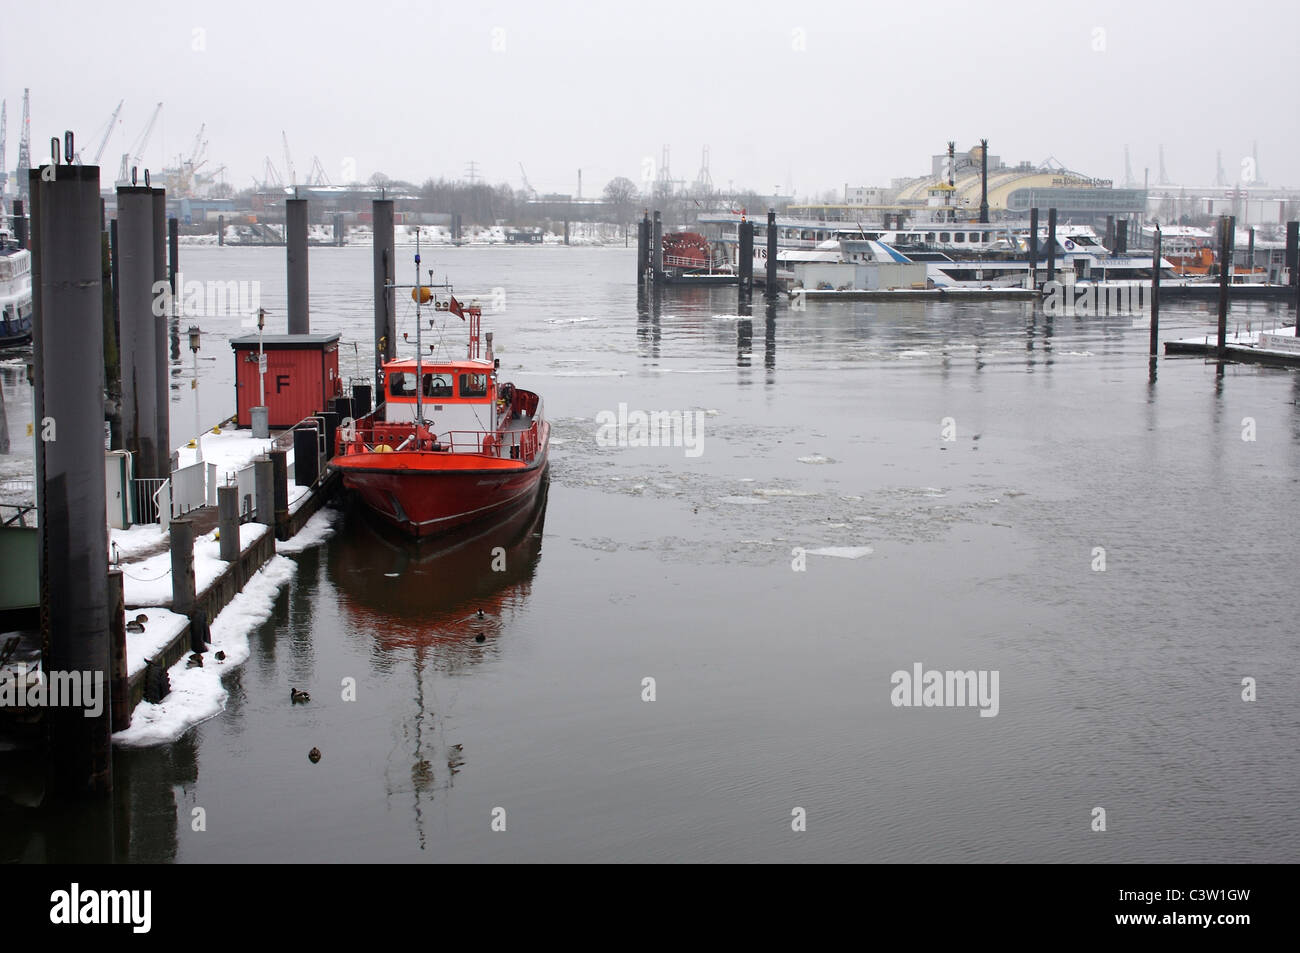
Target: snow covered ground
x=197, y=693
x=148, y=582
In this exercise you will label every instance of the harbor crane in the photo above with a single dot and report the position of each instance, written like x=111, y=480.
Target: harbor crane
x=317, y=174
x=108, y=134
x=532, y=192
x=25, y=147
x=133, y=155
x=288, y=160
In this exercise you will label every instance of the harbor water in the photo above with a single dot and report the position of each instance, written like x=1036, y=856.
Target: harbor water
x=869, y=486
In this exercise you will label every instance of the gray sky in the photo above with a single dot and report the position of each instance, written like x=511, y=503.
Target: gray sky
x=859, y=91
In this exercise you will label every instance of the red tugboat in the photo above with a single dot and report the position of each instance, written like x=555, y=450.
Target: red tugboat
x=458, y=448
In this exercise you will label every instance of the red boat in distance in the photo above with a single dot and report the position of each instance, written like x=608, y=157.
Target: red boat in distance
x=448, y=444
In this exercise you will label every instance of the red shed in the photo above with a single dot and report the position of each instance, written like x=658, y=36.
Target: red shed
x=302, y=376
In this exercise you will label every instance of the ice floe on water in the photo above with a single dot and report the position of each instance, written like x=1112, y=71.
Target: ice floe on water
x=742, y=500
x=780, y=491
x=816, y=458
x=197, y=693
x=841, y=552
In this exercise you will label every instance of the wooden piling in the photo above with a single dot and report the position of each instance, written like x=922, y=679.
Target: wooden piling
x=119, y=687
x=1155, y=293
x=280, y=481
x=642, y=246
x=1051, y=244
x=181, y=545
x=173, y=253
x=1121, y=237
x=746, y=259
x=20, y=224
x=771, y=289
x=264, y=491
x=1033, y=247
x=1292, y=251
x=221, y=230
x=657, y=247
x=1227, y=226
x=228, y=522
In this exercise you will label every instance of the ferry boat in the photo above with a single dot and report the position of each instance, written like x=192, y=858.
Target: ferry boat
x=450, y=444
x=15, y=291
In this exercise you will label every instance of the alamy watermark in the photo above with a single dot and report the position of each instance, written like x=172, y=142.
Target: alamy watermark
x=949, y=689
x=23, y=688
x=208, y=299
x=1127, y=298
x=655, y=428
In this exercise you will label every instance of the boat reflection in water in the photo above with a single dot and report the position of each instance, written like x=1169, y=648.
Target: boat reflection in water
x=442, y=604
x=453, y=593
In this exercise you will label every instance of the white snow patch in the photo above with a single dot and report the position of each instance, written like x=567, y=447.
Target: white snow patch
x=319, y=528
x=197, y=693
x=163, y=626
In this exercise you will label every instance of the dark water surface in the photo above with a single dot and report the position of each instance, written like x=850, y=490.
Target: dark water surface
x=1118, y=689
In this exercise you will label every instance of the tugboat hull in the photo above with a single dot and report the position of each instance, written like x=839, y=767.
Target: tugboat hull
x=428, y=494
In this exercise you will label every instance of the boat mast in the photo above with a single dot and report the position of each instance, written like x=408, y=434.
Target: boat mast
x=419, y=347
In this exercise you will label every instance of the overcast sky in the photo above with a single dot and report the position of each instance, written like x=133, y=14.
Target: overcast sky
x=806, y=93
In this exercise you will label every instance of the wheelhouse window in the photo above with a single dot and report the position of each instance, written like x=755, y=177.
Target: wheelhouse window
x=929, y=236
x=473, y=385
x=959, y=237
x=944, y=236
x=401, y=385
x=437, y=385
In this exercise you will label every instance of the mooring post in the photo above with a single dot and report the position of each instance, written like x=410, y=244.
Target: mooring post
x=264, y=491
x=173, y=253
x=1051, y=244
x=161, y=376
x=361, y=395
x=1155, y=293
x=68, y=351
x=142, y=314
x=181, y=544
x=1250, y=253
x=1033, y=248
x=1121, y=237
x=295, y=234
x=566, y=231
x=1110, y=233
x=385, y=296
x=1297, y=310
x=1292, y=251
x=771, y=253
x=746, y=260
x=221, y=230
x=280, y=480
x=1227, y=226
x=228, y=522
x=20, y=224
x=642, y=246
x=119, y=690
x=330, y=420
x=306, y=456
x=657, y=247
